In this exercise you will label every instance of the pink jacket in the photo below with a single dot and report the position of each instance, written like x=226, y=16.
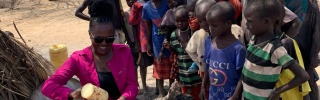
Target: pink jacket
x=81, y=64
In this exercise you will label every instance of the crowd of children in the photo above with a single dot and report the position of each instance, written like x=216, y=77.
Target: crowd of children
x=196, y=43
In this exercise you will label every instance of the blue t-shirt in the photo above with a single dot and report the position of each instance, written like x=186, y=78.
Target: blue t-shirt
x=156, y=15
x=224, y=67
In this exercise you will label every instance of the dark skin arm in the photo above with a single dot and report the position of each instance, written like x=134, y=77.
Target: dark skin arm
x=149, y=37
x=81, y=9
x=238, y=91
x=300, y=77
x=122, y=22
x=294, y=27
x=204, y=83
x=135, y=34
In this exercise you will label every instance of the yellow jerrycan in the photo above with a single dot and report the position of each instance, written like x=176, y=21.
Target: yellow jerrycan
x=58, y=55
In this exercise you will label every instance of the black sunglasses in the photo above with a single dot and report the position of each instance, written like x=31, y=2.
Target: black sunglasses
x=99, y=39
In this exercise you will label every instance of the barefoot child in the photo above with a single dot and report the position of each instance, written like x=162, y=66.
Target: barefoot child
x=190, y=81
x=224, y=54
x=166, y=28
x=266, y=56
x=141, y=43
x=133, y=41
x=153, y=12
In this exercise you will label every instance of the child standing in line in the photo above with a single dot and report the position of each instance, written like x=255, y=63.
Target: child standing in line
x=300, y=92
x=224, y=54
x=153, y=12
x=132, y=42
x=141, y=42
x=166, y=28
x=190, y=81
x=195, y=46
x=193, y=21
x=266, y=56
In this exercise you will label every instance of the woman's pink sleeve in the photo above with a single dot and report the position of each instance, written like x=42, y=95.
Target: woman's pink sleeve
x=131, y=89
x=54, y=86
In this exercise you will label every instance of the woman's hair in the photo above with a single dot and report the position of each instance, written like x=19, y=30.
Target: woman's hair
x=100, y=11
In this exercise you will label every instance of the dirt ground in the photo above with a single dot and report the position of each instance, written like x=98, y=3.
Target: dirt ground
x=44, y=23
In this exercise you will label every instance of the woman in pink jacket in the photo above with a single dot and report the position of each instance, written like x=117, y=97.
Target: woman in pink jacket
x=104, y=64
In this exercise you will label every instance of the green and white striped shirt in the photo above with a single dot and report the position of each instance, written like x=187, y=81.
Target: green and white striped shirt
x=262, y=67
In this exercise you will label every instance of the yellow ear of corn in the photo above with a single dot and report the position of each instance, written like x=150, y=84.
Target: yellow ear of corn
x=92, y=92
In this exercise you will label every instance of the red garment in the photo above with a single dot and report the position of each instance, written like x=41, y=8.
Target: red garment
x=194, y=24
x=163, y=70
x=237, y=7
x=136, y=19
x=174, y=64
x=192, y=90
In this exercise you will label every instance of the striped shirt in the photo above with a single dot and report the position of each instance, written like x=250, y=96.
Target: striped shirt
x=262, y=67
x=184, y=62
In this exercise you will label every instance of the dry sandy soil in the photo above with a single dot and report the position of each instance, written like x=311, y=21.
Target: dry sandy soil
x=44, y=23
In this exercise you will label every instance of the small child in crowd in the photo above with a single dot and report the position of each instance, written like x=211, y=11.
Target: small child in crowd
x=166, y=28
x=133, y=41
x=193, y=21
x=141, y=41
x=266, y=56
x=300, y=92
x=224, y=54
x=190, y=81
x=153, y=12
x=195, y=46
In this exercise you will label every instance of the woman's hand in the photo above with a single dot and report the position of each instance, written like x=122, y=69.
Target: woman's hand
x=122, y=98
x=76, y=94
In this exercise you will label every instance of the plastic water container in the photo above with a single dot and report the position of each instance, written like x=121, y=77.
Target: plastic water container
x=58, y=55
x=92, y=92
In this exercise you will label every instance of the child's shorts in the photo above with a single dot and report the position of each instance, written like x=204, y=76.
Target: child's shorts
x=163, y=70
x=145, y=60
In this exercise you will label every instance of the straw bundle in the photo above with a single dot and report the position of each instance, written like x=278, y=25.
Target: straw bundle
x=21, y=69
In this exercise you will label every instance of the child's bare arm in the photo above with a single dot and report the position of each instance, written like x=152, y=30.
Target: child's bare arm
x=294, y=27
x=149, y=31
x=204, y=83
x=136, y=37
x=79, y=11
x=238, y=91
x=300, y=77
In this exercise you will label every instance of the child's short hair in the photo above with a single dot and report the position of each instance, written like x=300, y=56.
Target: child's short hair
x=202, y=6
x=224, y=10
x=182, y=10
x=266, y=8
x=191, y=3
